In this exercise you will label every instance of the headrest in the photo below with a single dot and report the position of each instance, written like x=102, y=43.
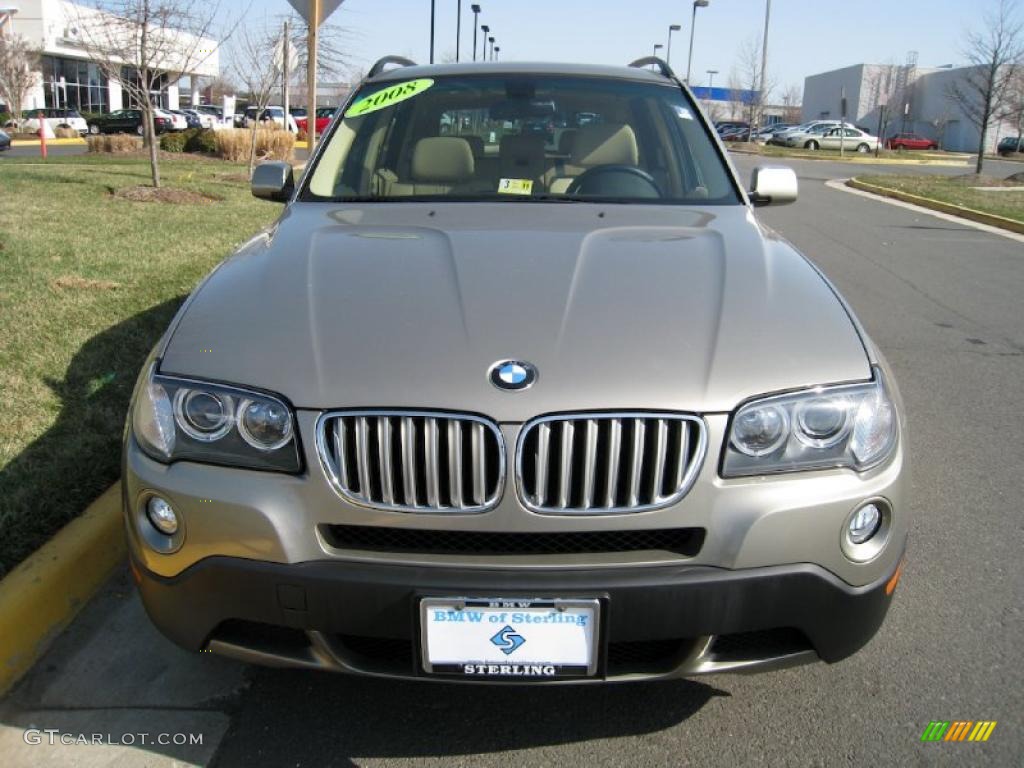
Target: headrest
x=605, y=144
x=567, y=141
x=522, y=154
x=442, y=159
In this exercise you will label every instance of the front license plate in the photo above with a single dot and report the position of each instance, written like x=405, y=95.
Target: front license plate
x=503, y=638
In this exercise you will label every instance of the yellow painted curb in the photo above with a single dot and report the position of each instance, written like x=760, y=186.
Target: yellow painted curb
x=981, y=217
x=41, y=596
x=301, y=145
x=49, y=142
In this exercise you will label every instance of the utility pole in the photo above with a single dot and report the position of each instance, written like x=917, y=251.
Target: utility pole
x=764, y=66
x=286, y=70
x=476, y=21
x=314, y=35
x=458, y=29
x=433, y=9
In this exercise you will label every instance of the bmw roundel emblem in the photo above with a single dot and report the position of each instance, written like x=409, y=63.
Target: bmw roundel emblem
x=512, y=375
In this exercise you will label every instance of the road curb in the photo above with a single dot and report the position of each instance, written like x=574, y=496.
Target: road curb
x=49, y=142
x=42, y=595
x=970, y=214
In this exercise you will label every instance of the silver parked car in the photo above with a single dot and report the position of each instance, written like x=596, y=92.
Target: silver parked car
x=480, y=407
x=851, y=139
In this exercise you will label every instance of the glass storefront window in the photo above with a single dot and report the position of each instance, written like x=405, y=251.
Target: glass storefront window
x=74, y=84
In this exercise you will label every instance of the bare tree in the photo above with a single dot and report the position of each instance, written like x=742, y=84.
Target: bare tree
x=157, y=40
x=259, y=73
x=939, y=125
x=17, y=72
x=331, y=59
x=748, y=72
x=994, y=54
x=220, y=87
x=791, y=100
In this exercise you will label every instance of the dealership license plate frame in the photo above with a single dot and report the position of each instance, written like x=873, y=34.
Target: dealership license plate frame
x=594, y=668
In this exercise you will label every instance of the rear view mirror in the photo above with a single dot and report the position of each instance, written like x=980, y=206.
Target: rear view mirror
x=772, y=186
x=273, y=181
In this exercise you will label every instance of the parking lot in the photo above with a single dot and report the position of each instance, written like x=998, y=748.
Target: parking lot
x=942, y=299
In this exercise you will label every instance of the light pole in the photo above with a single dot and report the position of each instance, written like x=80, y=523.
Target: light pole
x=657, y=47
x=491, y=41
x=458, y=29
x=668, y=51
x=693, y=21
x=433, y=10
x=496, y=49
x=711, y=78
x=485, y=29
x=476, y=18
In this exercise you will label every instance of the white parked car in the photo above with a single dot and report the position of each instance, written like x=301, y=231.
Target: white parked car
x=178, y=122
x=811, y=127
x=274, y=113
x=205, y=120
x=57, y=118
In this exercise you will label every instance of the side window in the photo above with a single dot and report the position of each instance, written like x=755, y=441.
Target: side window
x=853, y=133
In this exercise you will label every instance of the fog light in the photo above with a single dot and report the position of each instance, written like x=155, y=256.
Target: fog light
x=865, y=523
x=162, y=516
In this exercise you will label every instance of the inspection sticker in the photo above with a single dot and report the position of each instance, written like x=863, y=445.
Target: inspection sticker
x=388, y=97
x=515, y=187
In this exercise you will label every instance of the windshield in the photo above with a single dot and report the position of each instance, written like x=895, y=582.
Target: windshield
x=521, y=137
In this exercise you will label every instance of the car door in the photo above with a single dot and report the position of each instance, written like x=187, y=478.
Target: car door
x=829, y=139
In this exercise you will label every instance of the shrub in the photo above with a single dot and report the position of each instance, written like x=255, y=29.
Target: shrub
x=5, y=118
x=65, y=133
x=201, y=140
x=115, y=143
x=302, y=135
x=233, y=144
x=173, y=142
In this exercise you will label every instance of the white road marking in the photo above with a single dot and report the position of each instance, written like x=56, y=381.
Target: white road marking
x=840, y=184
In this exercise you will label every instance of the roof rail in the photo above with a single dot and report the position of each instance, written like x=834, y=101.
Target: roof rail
x=382, y=62
x=666, y=70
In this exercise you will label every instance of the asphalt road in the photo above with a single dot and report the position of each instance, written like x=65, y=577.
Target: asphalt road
x=943, y=300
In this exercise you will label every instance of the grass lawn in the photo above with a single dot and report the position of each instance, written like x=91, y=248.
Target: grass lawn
x=958, y=190
x=89, y=280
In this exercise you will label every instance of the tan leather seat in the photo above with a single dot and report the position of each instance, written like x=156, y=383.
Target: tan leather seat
x=593, y=145
x=439, y=165
x=522, y=157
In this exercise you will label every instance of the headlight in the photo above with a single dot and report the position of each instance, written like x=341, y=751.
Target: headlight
x=850, y=426
x=177, y=419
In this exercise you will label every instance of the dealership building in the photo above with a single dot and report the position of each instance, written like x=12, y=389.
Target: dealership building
x=68, y=79
x=918, y=101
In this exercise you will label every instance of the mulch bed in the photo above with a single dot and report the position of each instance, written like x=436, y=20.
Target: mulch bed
x=144, y=194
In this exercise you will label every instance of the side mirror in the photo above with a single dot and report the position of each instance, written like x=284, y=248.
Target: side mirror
x=273, y=181
x=772, y=186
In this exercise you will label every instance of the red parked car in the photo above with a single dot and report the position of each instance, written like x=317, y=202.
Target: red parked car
x=910, y=141
x=323, y=118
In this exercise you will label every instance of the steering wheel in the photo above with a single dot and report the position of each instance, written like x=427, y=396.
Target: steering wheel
x=614, y=181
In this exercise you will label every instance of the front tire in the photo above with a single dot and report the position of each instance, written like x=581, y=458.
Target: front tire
x=811, y=145
x=139, y=130
x=94, y=130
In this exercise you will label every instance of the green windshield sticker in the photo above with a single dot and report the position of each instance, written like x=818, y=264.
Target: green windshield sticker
x=389, y=96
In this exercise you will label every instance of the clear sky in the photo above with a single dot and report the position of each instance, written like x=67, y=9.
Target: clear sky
x=805, y=36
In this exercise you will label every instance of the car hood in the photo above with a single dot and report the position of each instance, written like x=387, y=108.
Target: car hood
x=618, y=307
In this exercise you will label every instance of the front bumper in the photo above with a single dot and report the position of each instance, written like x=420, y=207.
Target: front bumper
x=659, y=622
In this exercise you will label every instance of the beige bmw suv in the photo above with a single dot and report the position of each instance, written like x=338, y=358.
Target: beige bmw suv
x=517, y=389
